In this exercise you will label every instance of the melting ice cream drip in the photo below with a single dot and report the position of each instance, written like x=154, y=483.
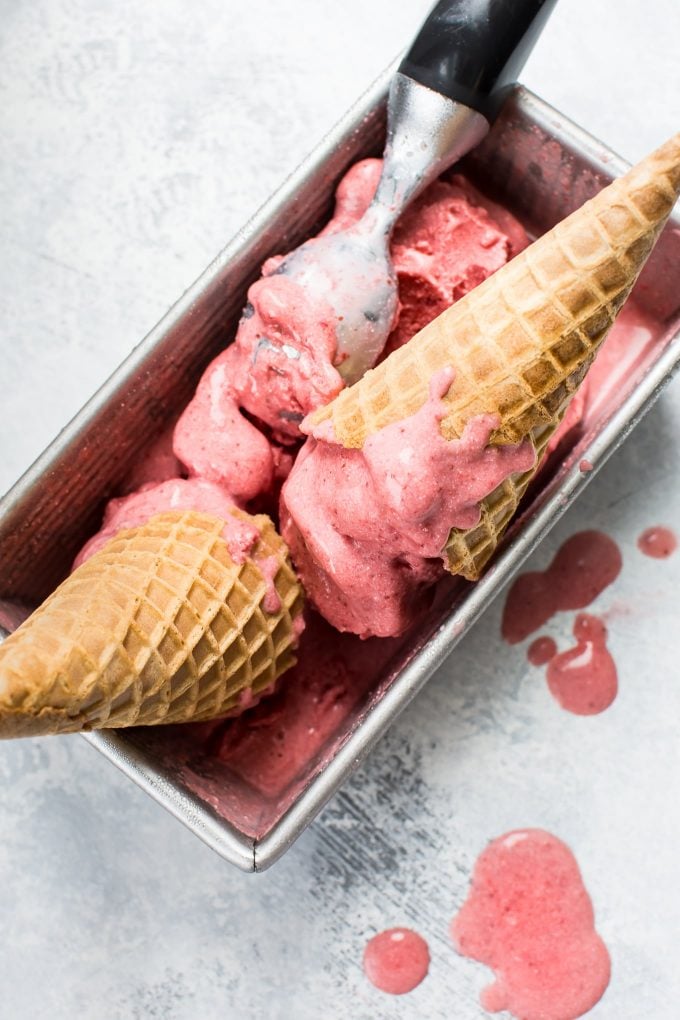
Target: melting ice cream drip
x=584, y=679
x=367, y=528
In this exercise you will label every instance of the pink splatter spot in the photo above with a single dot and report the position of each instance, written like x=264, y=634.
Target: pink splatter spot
x=541, y=651
x=584, y=679
x=396, y=960
x=584, y=566
x=657, y=542
x=529, y=917
x=585, y=467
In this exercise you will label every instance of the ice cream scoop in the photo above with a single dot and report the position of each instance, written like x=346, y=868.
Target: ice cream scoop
x=441, y=103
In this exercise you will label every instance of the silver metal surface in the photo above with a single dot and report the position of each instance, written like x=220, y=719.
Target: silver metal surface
x=538, y=164
x=426, y=134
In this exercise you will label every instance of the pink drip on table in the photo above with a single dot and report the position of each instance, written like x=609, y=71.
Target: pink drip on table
x=529, y=917
x=396, y=960
x=584, y=679
x=541, y=650
x=584, y=566
x=657, y=542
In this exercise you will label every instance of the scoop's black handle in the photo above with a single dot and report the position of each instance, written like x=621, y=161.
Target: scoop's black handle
x=473, y=50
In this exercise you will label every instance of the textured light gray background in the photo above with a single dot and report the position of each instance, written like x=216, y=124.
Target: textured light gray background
x=135, y=139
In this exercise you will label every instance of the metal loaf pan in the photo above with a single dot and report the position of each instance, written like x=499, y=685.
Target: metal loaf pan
x=541, y=167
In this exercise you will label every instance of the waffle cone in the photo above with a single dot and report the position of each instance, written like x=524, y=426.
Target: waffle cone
x=522, y=341
x=160, y=626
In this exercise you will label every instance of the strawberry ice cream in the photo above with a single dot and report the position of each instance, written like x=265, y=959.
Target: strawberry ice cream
x=283, y=362
x=237, y=438
x=367, y=557
x=367, y=528
x=449, y=241
x=174, y=494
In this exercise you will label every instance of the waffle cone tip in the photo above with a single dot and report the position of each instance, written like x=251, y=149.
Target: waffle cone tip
x=161, y=625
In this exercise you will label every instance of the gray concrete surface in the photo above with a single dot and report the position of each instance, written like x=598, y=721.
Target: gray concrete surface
x=135, y=140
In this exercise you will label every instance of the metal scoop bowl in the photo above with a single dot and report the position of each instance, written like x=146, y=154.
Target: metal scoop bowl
x=441, y=103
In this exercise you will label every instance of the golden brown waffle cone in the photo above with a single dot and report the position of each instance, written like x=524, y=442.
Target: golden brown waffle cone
x=522, y=341
x=160, y=626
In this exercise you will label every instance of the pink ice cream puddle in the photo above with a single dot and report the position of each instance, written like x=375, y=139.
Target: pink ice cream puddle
x=541, y=651
x=584, y=566
x=396, y=960
x=584, y=679
x=657, y=542
x=367, y=528
x=177, y=494
x=529, y=917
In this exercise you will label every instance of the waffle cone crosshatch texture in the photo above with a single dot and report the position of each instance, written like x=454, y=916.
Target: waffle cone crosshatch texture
x=522, y=341
x=161, y=626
